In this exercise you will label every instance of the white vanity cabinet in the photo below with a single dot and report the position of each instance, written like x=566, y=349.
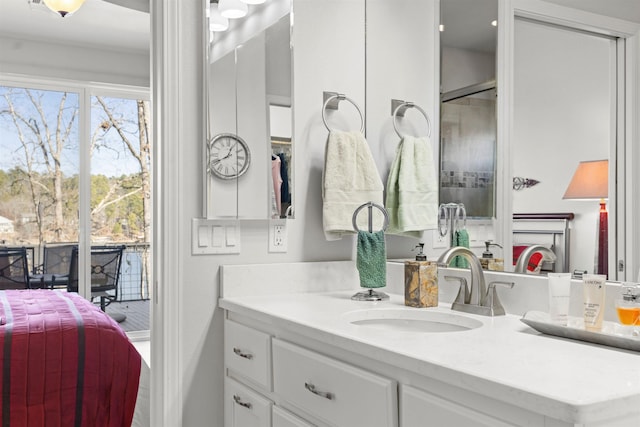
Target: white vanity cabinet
x=335, y=392
x=243, y=407
x=419, y=408
x=284, y=418
x=326, y=390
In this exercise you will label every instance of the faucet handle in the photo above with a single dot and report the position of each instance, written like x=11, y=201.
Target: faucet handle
x=463, y=293
x=491, y=299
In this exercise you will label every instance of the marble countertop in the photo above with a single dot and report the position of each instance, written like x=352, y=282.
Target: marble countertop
x=503, y=359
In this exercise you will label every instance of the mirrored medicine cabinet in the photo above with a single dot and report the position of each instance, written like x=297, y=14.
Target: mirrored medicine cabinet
x=489, y=134
x=249, y=159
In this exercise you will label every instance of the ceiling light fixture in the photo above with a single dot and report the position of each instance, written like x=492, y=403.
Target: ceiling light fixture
x=494, y=23
x=253, y=1
x=232, y=9
x=217, y=22
x=64, y=7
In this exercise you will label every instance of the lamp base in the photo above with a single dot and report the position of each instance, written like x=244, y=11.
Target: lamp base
x=602, y=255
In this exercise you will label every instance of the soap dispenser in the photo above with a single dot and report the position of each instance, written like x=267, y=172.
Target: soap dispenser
x=487, y=261
x=421, y=281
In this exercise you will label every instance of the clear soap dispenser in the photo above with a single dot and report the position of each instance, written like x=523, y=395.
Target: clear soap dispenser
x=421, y=281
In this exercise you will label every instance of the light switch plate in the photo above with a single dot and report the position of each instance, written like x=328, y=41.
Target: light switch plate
x=212, y=236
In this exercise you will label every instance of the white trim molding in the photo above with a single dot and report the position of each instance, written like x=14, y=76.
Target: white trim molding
x=166, y=379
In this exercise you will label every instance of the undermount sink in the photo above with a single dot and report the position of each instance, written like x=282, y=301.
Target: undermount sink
x=411, y=320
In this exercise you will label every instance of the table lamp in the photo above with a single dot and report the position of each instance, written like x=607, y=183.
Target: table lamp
x=591, y=182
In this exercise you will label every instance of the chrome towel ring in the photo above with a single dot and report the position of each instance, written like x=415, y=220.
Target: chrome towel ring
x=398, y=108
x=331, y=101
x=370, y=206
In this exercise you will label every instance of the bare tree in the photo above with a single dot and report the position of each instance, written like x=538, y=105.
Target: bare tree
x=140, y=149
x=43, y=144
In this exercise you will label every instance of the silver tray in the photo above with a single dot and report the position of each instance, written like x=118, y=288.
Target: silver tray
x=612, y=333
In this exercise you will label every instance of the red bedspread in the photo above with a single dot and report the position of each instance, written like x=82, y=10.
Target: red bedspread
x=64, y=362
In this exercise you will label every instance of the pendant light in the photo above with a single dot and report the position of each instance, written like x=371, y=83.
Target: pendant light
x=232, y=9
x=217, y=22
x=64, y=7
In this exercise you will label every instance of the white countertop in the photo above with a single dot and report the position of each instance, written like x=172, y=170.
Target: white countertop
x=504, y=359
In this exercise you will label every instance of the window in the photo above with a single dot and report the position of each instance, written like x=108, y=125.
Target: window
x=76, y=161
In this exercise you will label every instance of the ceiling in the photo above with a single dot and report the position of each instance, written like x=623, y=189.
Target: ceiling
x=98, y=23
x=468, y=22
x=125, y=24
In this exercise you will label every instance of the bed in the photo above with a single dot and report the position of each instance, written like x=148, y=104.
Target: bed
x=64, y=362
x=548, y=229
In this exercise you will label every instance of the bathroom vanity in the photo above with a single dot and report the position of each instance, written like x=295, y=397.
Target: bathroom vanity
x=302, y=353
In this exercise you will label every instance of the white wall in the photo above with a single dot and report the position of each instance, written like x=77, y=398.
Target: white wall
x=74, y=63
x=462, y=67
x=401, y=65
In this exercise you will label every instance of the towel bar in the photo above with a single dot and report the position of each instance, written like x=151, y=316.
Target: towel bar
x=331, y=101
x=370, y=205
x=399, y=108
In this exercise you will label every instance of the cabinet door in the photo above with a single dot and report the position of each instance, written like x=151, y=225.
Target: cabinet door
x=247, y=353
x=244, y=407
x=421, y=409
x=335, y=392
x=283, y=418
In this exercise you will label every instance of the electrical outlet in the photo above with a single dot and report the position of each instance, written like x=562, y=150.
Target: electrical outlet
x=277, y=236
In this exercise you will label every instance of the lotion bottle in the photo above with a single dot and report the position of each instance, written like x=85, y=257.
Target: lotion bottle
x=421, y=281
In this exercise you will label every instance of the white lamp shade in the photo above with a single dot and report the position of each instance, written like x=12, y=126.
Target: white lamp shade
x=232, y=9
x=64, y=7
x=253, y=1
x=217, y=22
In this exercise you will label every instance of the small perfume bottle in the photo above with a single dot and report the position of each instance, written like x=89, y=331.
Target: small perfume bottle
x=628, y=306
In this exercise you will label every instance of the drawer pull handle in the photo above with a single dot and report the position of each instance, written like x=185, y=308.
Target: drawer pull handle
x=239, y=401
x=313, y=390
x=241, y=354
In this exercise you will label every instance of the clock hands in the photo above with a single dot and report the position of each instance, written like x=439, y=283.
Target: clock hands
x=228, y=154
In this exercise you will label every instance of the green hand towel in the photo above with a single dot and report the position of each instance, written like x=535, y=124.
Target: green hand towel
x=371, y=259
x=462, y=239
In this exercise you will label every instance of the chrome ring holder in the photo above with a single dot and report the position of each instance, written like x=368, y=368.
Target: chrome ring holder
x=452, y=214
x=370, y=294
x=399, y=108
x=331, y=102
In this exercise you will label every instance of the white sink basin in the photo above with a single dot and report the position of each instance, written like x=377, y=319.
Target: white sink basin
x=411, y=320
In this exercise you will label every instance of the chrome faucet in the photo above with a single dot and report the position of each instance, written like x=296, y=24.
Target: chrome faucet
x=477, y=300
x=525, y=257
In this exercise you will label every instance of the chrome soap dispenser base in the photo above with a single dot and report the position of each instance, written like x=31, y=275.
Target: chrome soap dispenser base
x=370, y=295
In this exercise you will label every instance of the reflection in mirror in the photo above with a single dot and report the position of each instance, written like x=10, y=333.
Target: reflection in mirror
x=249, y=95
x=564, y=113
x=468, y=148
x=468, y=105
x=279, y=81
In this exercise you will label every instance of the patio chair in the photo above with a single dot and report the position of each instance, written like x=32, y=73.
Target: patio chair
x=14, y=273
x=105, y=273
x=54, y=270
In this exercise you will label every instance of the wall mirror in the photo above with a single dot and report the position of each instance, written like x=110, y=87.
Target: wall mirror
x=563, y=106
x=468, y=41
x=249, y=157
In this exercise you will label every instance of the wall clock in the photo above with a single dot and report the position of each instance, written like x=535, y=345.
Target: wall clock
x=229, y=156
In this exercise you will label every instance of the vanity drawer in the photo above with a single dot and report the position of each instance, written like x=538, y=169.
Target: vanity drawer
x=244, y=407
x=334, y=392
x=247, y=352
x=283, y=418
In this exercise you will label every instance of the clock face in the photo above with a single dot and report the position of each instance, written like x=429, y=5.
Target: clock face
x=229, y=156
